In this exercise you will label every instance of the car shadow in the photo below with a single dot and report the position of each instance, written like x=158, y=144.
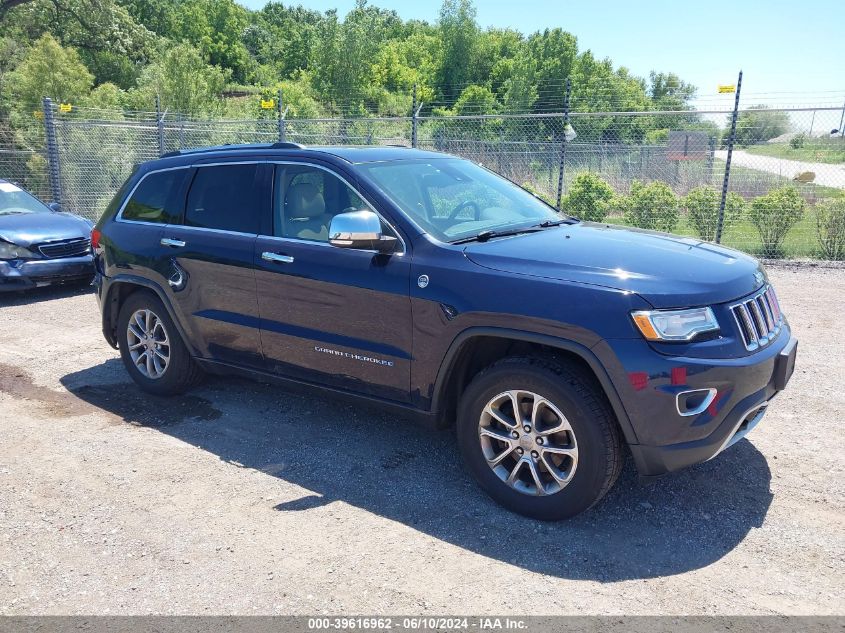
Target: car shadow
x=396, y=469
x=44, y=293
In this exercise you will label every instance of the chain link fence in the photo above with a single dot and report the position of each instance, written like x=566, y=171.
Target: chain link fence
x=783, y=195
x=23, y=159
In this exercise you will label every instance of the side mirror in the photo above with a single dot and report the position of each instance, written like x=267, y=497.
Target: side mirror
x=55, y=206
x=361, y=230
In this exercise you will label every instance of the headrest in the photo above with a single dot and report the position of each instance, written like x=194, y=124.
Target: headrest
x=304, y=200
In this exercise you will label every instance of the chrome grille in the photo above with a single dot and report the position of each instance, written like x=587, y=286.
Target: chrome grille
x=66, y=248
x=758, y=318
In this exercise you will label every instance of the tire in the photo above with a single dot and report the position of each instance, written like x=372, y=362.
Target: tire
x=577, y=430
x=179, y=373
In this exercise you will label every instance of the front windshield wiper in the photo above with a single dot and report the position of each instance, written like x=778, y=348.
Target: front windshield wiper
x=545, y=224
x=485, y=235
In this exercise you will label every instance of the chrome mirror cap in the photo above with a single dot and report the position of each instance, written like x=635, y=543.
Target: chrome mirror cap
x=359, y=229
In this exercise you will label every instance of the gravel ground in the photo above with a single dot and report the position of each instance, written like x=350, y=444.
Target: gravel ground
x=240, y=498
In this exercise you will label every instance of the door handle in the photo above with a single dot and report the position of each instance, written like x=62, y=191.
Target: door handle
x=166, y=241
x=275, y=257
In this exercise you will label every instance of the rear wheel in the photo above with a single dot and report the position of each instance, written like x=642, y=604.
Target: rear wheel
x=539, y=437
x=151, y=349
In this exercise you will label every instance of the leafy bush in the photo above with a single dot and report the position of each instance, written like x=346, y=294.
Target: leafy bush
x=830, y=224
x=702, y=205
x=773, y=215
x=652, y=206
x=589, y=197
x=797, y=141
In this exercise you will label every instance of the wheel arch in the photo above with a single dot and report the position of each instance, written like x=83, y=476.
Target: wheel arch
x=120, y=288
x=478, y=347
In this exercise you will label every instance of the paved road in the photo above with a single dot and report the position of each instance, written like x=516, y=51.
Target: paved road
x=826, y=174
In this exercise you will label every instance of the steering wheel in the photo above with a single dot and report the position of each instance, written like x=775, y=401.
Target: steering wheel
x=468, y=203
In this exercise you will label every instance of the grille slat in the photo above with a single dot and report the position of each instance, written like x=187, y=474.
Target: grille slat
x=65, y=248
x=767, y=313
x=762, y=329
x=759, y=318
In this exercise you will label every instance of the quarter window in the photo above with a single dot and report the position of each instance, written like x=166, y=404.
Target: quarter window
x=159, y=198
x=226, y=197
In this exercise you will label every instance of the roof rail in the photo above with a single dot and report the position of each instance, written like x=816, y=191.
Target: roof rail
x=287, y=145
x=217, y=148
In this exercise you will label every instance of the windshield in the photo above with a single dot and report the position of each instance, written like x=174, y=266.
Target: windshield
x=453, y=198
x=14, y=200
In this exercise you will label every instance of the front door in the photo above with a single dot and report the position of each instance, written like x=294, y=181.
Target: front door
x=333, y=316
x=211, y=276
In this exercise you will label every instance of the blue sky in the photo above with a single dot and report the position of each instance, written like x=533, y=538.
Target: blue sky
x=791, y=52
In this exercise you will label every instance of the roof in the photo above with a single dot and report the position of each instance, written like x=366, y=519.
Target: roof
x=375, y=153
x=350, y=154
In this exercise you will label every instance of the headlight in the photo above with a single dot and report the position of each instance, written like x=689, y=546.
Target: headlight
x=13, y=251
x=675, y=325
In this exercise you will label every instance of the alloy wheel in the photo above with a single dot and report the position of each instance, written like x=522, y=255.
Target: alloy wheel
x=528, y=443
x=148, y=343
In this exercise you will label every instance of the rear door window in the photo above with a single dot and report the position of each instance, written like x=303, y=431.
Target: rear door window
x=158, y=199
x=225, y=197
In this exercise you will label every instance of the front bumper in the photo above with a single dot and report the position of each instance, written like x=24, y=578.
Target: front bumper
x=670, y=439
x=26, y=274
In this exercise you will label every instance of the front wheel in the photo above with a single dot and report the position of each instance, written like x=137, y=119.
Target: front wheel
x=539, y=437
x=151, y=349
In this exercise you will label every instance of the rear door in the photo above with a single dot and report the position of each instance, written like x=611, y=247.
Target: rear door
x=338, y=317
x=211, y=274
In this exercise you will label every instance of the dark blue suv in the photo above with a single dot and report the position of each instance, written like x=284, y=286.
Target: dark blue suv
x=431, y=285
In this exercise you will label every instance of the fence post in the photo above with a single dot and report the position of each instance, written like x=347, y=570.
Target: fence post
x=563, y=143
x=711, y=143
x=726, y=181
x=414, y=117
x=160, y=126
x=53, y=168
x=841, y=121
x=282, y=130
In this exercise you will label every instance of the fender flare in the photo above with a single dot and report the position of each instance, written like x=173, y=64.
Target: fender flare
x=142, y=282
x=583, y=352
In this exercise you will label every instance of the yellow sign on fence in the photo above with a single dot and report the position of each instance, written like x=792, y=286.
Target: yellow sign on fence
x=269, y=104
x=727, y=89
x=65, y=107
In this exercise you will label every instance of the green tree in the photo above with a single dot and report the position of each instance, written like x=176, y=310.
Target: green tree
x=459, y=36
x=669, y=92
x=215, y=28
x=476, y=100
x=183, y=82
x=291, y=37
x=49, y=70
x=554, y=52
x=109, y=41
x=348, y=51
x=759, y=124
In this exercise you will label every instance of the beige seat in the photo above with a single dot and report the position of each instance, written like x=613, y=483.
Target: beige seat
x=305, y=213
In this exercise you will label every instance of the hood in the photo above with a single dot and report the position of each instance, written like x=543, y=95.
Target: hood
x=666, y=270
x=26, y=229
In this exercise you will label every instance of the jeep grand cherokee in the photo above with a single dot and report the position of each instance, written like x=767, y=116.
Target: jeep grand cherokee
x=431, y=285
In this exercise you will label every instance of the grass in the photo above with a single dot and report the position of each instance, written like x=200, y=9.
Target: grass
x=814, y=150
